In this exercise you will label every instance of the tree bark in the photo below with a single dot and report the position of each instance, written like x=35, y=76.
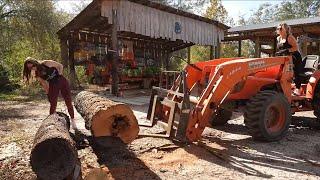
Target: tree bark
x=107, y=118
x=54, y=155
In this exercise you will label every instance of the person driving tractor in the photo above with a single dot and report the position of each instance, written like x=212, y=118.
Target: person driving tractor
x=287, y=45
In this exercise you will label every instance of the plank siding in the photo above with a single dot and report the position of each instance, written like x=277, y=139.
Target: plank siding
x=148, y=21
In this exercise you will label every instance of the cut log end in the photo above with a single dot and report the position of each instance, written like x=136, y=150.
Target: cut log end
x=120, y=122
x=107, y=118
x=53, y=159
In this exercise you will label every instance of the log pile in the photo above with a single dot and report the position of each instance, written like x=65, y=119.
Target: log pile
x=107, y=118
x=54, y=155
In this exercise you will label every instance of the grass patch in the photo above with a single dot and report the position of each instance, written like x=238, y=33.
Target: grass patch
x=24, y=93
x=8, y=96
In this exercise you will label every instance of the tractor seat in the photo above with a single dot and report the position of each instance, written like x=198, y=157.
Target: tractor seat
x=311, y=63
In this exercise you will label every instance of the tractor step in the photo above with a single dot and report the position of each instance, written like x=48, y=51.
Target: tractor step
x=298, y=98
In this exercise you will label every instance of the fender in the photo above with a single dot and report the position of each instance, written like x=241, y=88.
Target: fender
x=311, y=86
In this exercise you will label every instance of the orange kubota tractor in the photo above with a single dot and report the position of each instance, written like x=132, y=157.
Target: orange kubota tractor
x=206, y=93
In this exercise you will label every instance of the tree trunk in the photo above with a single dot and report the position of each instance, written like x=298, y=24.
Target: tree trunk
x=54, y=155
x=107, y=118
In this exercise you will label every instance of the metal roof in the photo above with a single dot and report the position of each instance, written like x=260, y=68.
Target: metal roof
x=292, y=22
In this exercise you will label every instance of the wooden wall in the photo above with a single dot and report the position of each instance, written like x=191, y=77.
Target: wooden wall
x=148, y=21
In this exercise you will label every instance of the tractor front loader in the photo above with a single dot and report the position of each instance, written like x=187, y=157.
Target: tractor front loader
x=206, y=93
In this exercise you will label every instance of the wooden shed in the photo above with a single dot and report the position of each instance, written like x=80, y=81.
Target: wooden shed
x=306, y=30
x=117, y=34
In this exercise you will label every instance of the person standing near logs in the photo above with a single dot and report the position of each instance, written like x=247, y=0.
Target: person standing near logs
x=49, y=74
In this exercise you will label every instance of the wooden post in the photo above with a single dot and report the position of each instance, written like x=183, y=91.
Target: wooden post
x=274, y=46
x=239, y=48
x=157, y=54
x=162, y=59
x=211, y=52
x=115, y=57
x=189, y=54
x=257, y=48
x=167, y=79
x=64, y=51
x=217, y=49
x=72, y=69
x=167, y=56
x=304, y=49
x=161, y=79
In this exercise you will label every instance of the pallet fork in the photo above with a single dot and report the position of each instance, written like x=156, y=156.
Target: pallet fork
x=175, y=104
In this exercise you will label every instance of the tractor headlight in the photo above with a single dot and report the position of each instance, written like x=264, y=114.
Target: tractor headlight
x=312, y=80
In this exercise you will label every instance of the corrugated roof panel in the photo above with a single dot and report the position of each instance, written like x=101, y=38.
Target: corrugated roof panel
x=291, y=22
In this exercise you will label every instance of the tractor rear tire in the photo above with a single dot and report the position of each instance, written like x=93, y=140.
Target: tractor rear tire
x=268, y=116
x=221, y=118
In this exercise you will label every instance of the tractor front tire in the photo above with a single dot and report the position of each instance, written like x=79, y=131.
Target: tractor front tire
x=268, y=116
x=221, y=118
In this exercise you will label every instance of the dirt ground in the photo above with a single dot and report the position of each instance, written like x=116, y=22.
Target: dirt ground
x=224, y=152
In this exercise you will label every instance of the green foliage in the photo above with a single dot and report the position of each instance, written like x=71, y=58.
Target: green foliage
x=7, y=97
x=191, y=5
x=15, y=58
x=177, y=64
x=216, y=11
x=80, y=71
x=284, y=11
x=200, y=53
x=3, y=71
x=296, y=9
x=229, y=50
x=32, y=89
x=28, y=28
x=178, y=60
x=247, y=49
x=4, y=78
x=263, y=14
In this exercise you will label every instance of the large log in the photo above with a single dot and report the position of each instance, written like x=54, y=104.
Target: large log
x=54, y=155
x=107, y=118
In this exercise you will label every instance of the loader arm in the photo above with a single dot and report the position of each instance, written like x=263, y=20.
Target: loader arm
x=227, y=75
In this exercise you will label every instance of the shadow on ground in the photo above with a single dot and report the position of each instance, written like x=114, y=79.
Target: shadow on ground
x=233, y=128
x=119, y=160
x=17, y=110
x=292, y=154
x=305, y=122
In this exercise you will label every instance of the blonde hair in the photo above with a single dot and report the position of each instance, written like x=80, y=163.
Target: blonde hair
x=286, y=27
